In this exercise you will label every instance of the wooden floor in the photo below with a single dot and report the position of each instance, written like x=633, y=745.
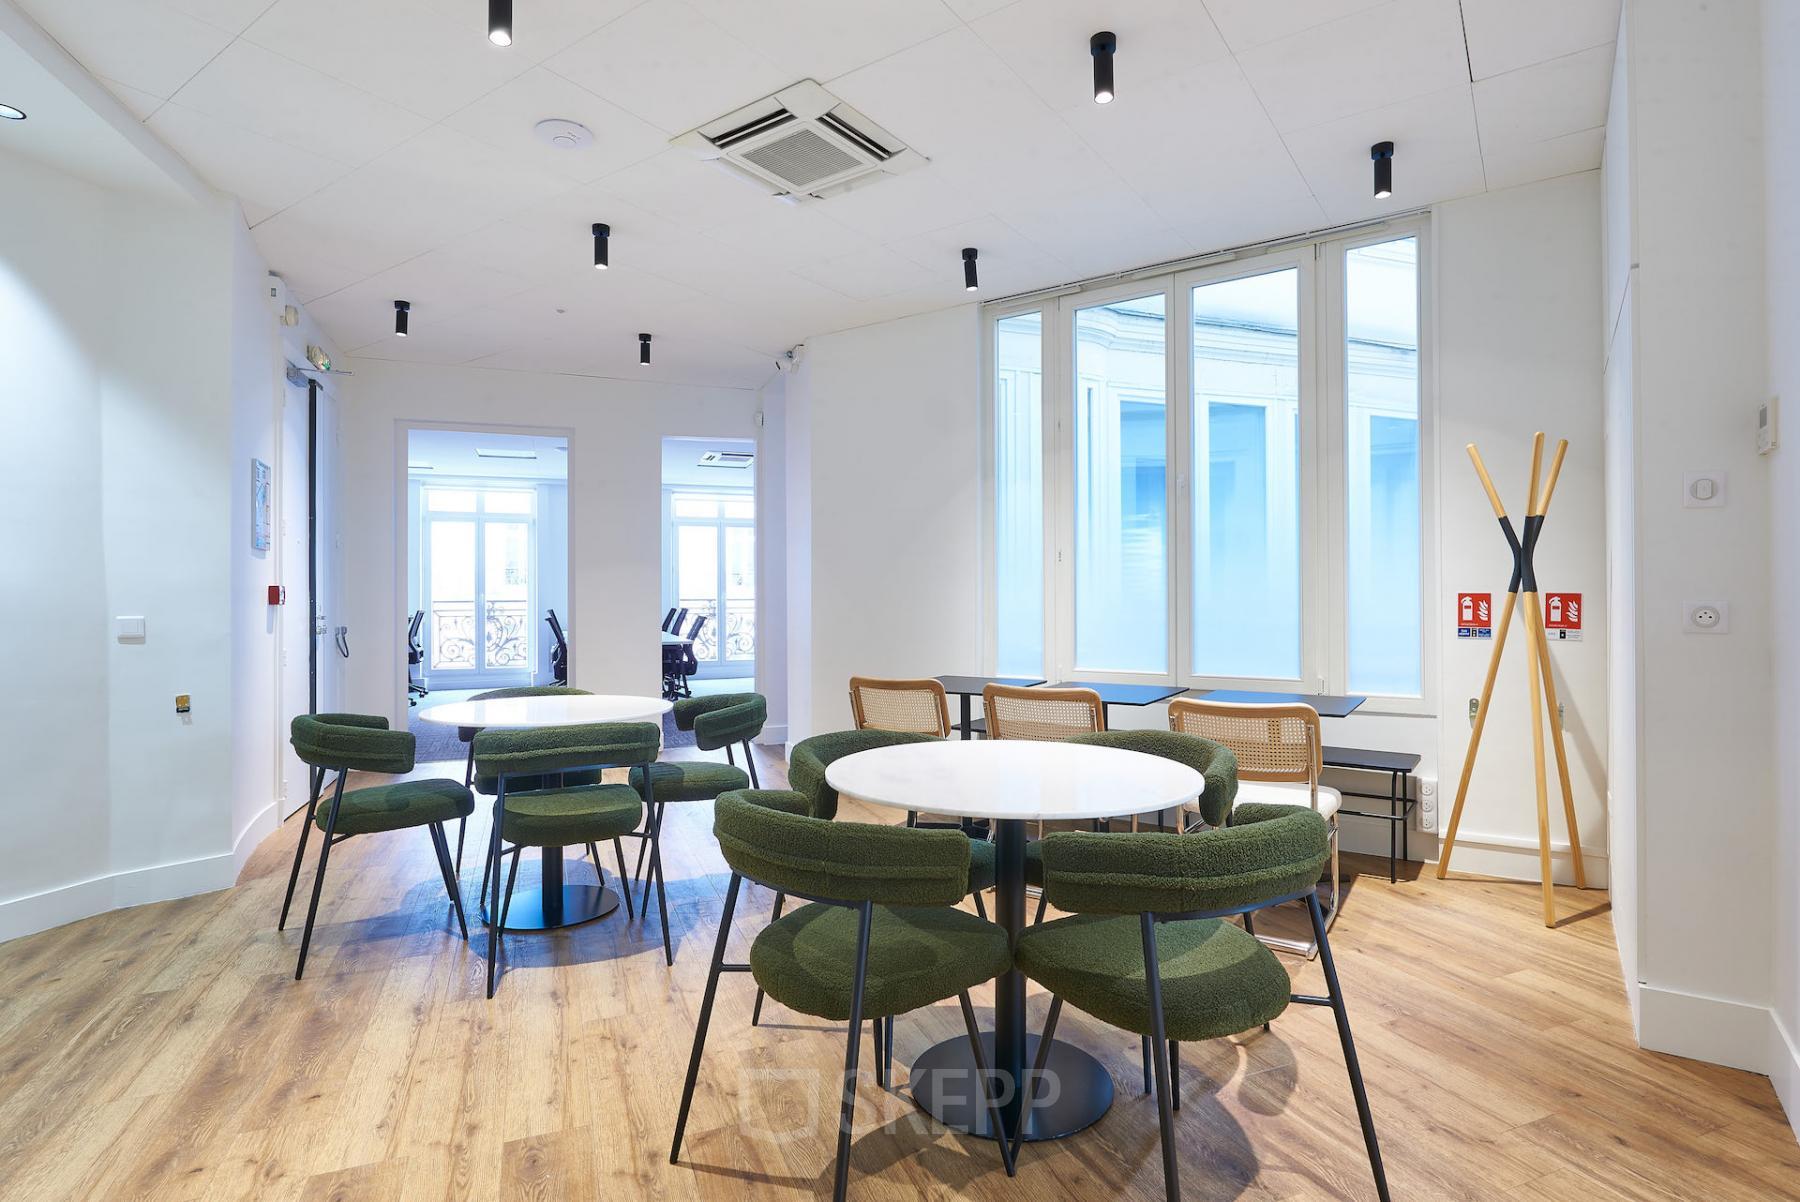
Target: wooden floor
x=166, y=1052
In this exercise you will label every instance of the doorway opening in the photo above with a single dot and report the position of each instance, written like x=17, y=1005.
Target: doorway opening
x=487, y=568
x=709, y=565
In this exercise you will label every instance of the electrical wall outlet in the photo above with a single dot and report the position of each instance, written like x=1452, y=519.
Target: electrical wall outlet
x=1705, y=617
x=1427, y=809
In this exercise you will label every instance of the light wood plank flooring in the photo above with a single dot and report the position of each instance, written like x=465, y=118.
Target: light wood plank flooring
x=166, y=1052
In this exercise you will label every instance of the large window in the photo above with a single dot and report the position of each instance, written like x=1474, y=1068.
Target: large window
x=1266, y=528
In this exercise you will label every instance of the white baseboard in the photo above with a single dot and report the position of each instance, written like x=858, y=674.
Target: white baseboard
x=96, y=895
x=260, y=827
x=1716, y=1030
x=1784, y=1069
x=774, y=736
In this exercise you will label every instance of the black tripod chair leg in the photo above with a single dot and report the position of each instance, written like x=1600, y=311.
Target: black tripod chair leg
x=493, y=900
x=989, y=1084
x=1363, y=1114
x=1159, y=1051
x=750, y=764
x=1028, y=1092
x=440, y=843
x=706, y=1008
x=316, y=781
x=980, y=906
x=312, y=911
x=756, y=1008
x=512, y=875
x=656, y=877
x=624, y=884
x=847, y=1116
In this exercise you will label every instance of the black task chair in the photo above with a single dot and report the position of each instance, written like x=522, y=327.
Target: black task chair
x=559, y=654
x=668, y=619
x=690, y=664
x=415, y=655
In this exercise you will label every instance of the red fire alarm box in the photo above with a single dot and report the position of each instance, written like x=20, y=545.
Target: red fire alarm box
x=277, y=595
x=1562, y=616
x=1474, y=615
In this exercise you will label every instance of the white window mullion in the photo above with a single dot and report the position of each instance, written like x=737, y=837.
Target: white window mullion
x=1332, y=662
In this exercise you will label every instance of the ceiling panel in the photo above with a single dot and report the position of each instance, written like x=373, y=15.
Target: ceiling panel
x=1513, y=163
x=144, y=44
x=1377, y=57
x=260, y=171
x=1436, y=155
x=140, y=104
x=505, y=118
x=233, y=16
x=1247, y=23
x=1046, y=43
x=671, y=66
x=820, y=39
x=1548, y=100
x=253, y=88
x=1505, y=35
x=868, y=274
x=408, y=52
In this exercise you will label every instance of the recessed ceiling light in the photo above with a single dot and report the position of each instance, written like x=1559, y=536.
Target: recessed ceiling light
x=969, y=282
x=500, y=22
x=1103, y=46
x=401, y=310
x=1383, y=154
x=11, y=114
x=482, y=453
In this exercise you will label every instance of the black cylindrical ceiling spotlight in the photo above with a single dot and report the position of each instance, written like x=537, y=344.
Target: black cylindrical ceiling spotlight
x=643, y=350
x=1103, y=46
x=602, y=232
x=500, y=22
x=1383, y=154
x=401, y=309
x=969, y=282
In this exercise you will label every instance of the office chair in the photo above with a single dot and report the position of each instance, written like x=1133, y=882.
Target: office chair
x=559, y=654
x=415, y=655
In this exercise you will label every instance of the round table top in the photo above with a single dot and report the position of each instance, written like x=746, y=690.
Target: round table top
x=1006, y=779
x=565, y=709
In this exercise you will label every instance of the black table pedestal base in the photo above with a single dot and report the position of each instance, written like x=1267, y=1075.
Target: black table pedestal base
x=580, y=903
x=1075, y=1092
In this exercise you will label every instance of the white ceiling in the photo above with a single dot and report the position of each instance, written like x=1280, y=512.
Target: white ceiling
x=446, y=454
x=383, y=149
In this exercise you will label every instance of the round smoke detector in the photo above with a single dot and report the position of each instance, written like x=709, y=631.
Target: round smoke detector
x=564, y=135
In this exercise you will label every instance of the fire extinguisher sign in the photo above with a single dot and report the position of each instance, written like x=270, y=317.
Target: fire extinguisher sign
x=1474, y=615
x=1562, y=616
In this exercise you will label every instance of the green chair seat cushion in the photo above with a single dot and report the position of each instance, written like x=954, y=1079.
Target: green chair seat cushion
x=806, y=959
x=569, y=817
x=397, y=806
x=984, y=870
x=691, y=780
x=1216, y=980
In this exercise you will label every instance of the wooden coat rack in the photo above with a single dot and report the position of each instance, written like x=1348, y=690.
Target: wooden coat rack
x=1537, y=661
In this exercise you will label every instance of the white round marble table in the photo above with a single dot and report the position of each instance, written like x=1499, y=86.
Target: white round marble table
x=554, y=904
x=1011, y=783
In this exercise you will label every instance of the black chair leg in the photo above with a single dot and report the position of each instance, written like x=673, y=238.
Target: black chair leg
x=1028, y=1093
x=756, y=1009
x=750, y=764
x=1336, y=994
x=312, y=911
x=462, y=825
x=624, y=885
x=1250, y=930
x=637, y=874
x=594, y=855
x=846, y=1119
x=512, y=875
x=492, y=871
x=1159, y=1051
x=989, y=1084
x=980, y=906
x=877, y=1032
x=440, y=843
x=662, y=895
x=1175, y=1074
x=1042, y=902
x=706, y=1007
x=1148, y=1081
x=316, y=781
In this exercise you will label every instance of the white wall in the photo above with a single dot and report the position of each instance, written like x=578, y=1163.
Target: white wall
x=884, y=496
x=1781, y=114
x=615, y=432
x=771, y=559
x=1690, y=366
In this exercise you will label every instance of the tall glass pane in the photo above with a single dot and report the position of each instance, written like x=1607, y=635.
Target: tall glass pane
x=506, y=568
x=451, y=592
x=697, y=583
x=1121, y=507
x=1381, y=318
x=739, y=631
x=1019, y=492
x=1246, y=421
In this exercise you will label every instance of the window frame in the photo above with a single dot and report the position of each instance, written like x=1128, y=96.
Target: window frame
x=1324, y=650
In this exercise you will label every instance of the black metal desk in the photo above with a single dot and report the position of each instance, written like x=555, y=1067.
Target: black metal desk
x=969, y=687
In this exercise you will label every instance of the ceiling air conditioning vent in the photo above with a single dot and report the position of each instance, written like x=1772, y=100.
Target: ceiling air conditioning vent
x=737, y=459
x=802, y=144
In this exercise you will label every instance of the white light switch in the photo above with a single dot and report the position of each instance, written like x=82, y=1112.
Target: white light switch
x=129, y=629
x=1703, y=490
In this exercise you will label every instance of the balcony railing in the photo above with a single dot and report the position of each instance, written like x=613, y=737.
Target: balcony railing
x=740, y=629
x=506, y=636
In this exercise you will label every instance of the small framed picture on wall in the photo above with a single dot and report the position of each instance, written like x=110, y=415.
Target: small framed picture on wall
x=259, y=505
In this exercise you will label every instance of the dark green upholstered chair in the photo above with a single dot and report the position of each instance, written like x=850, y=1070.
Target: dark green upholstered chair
x=552, y=812
x=467, y=734
x=1148, y=950
x=343, y=743
x=807, y=761
x=718, y=722
x=881, y=936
